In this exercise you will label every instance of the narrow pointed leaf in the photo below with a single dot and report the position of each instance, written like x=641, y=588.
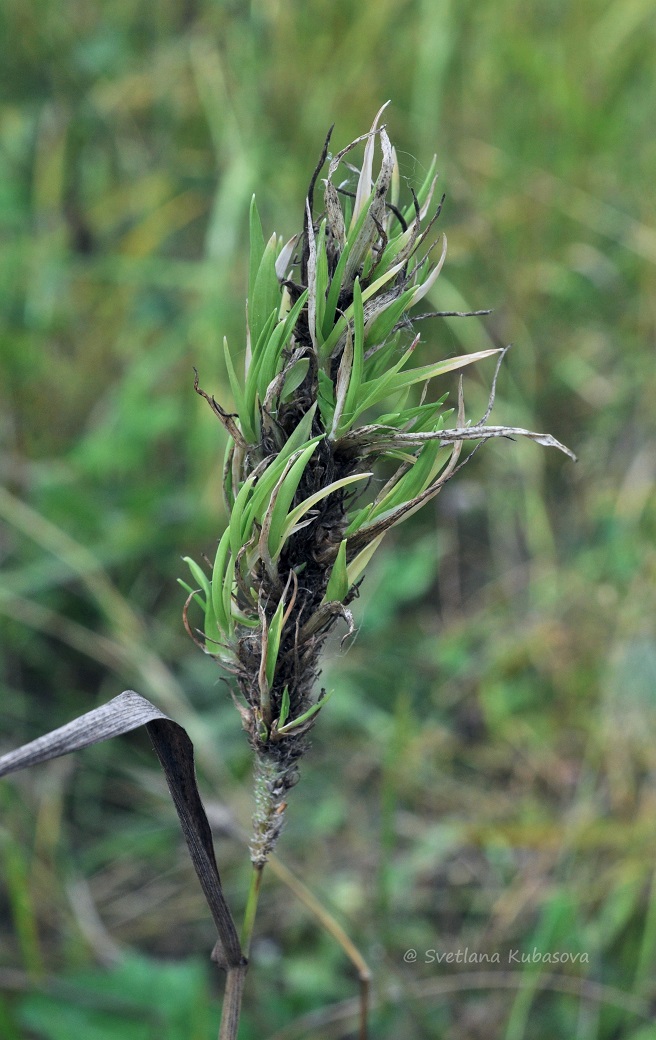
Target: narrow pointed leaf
x=218, y=579
x=358, y=564
x=428, y=284
x=284, y=707
x=273, y=644
x=297, y=514
x=420, y=375
x=192, y=592
x=357, y=367
x=278, y=339
x=306, y=715
x=237, y=393
x=285, y=497
x=260, y=500
x=338, y=583
x=266, y=296
x=294, y=378
x=199, y=575
x=342, y=383
x=213, y=631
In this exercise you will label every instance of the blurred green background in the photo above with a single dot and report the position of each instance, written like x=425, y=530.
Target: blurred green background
x=485, y=775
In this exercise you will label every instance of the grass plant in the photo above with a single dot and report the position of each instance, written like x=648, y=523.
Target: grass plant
x=325, y=394
x=483, y=774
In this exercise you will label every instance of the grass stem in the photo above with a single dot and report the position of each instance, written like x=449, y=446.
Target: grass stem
x=251, y=907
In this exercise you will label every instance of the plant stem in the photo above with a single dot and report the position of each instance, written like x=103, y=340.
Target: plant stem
x=251, y=907
x=234, y=988
x=334, y=928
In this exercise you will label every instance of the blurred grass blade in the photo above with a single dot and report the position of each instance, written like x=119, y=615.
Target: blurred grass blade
x=256, y=248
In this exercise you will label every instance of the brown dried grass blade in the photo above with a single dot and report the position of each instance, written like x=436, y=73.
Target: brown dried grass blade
x=175, y=751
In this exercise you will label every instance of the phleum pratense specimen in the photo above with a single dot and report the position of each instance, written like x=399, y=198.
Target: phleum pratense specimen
x=336, y=437
x=326, y=397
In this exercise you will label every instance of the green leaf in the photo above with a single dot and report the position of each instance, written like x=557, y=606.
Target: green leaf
x=396, y=245
x=381, y=358
x=264, y=488
x=228, y=584
x=431, y=459
x=284, y=497
x=270, y=364
x=342, y=382
x=308, y=503
x=193, y=592
x=419, y=419
x=395, y=381
x=336, y=283
x=269, y=360
x=340, y=328
x=439, y=368
x=239, y=528
x=250, y=395
x=244, y=619
x=326, y=398
x=382, y=325
x=338, y=583
x=429, y=275
x=199, y=575
x=273, y=642
x=357, y=367
x=284, y=707
x=218, y=580
x=306, y=715
x=358, y=564
x=238, y=395
x=266, y=292
x=359, y=518
x=300, y=435
x=376, y=390
x=294, y=378
x=212, y=627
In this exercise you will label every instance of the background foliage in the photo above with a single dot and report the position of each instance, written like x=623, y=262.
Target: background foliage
x=484, y=776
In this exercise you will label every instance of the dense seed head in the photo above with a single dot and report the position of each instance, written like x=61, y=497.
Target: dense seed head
x=325, y=400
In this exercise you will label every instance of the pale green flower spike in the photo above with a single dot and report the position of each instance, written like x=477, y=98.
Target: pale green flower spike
x=326, y=394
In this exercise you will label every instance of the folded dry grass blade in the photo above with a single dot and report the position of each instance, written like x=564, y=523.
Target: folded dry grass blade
x=175, y=752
